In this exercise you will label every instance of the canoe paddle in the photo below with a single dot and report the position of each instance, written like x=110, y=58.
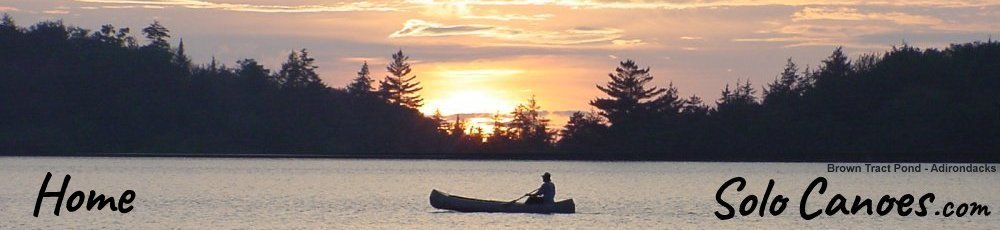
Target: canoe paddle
x=519, y=198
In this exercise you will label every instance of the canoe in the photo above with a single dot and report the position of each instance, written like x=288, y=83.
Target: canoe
x=442, y=200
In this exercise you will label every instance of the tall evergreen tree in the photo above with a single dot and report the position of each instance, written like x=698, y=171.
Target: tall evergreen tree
x=157, y=35
x=582, y=132
x=120, y=37
x=786, y=86
x=362, y=85
x=740, y=102
x=254, y=73
x=8, y=32
x=835, y=67
x=180, y=58
x=629, y=98
x=7, y=24
x=442, y=124
x=500, y=137
x=299, y=72
x=399, y=89
x=457, y=127
x=694, y=106
x=668, y=104
x=529, y=127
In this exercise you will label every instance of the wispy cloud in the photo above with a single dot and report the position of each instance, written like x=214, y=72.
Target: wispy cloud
x=369, y=60
x=693, y=4
x=822, y=26
x=479, y=73
x=56, y=11
x=8, y=8
x=627, y=42
x=198, y=4
x=461, y=10
x=579, y=35
x=818, y=34
x=508, y=17
x=851, y=14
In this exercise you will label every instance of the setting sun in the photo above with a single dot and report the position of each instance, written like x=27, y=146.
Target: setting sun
x=469, y=101
x=467, y=90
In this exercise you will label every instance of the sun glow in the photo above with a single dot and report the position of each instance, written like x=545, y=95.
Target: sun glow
x=480, y=73
x=469, y=101
x=465, y=90
x=479, y=89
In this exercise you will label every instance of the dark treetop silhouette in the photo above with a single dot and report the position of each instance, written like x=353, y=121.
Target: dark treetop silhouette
x=71, y=91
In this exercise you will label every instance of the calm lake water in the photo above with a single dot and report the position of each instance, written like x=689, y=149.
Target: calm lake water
x=393, y=194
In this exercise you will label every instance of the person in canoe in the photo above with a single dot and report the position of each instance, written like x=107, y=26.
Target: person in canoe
x=546, y=194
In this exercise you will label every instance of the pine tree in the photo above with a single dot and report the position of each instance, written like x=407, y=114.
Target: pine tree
x=213, y=66
x=397, y=88
x=7, y=25
x=835, y=67
x=583, y=130
x=500, y=135
x=362, y=85
x=694, y=106
x=528, y=126
x=630, y=100
x=785, y=87
x=251, y=71
x=299, y=72
x=107, y=34
x=740, y=101
x=458, y=127
x=181, y=59
x=669, y=104
x=157, y=35
x=442, y=124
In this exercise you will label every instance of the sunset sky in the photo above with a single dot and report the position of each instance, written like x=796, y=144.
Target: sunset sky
x=487, y=56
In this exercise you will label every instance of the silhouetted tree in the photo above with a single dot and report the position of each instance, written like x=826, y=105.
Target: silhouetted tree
x=668, y=105
x=500, y=138
x=785, y=87
x=583, y=133
x=743, y=97
x=8, y=32
x=629, y=98
x=7, y=25
x=457, y=128
x=180, y=58
x=836, y=67
x=157, y=35
x=865, y=63
x=299, y=72
x=362, y=85
x=120, y=37
x=529, y=130
x=397, y=88
x=693, y=106
x=257, y=77
x=443, y=126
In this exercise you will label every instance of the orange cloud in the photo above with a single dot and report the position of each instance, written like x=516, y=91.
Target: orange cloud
x=844, y=13
x=514, y=36
x=197, y=4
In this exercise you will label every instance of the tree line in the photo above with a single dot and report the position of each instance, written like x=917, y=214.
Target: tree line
x=70, y=90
